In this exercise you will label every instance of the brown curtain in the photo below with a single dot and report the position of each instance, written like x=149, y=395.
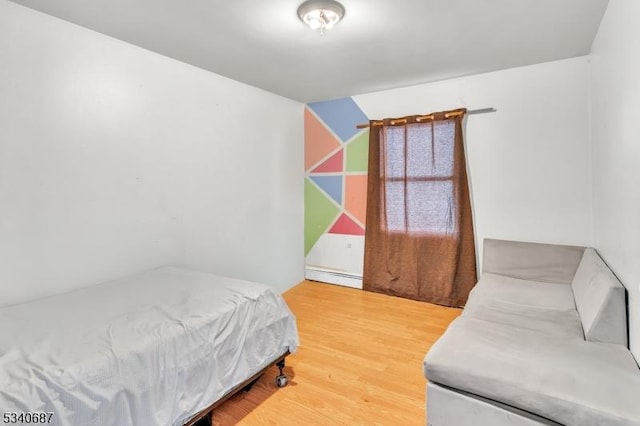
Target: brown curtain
x=419, y=236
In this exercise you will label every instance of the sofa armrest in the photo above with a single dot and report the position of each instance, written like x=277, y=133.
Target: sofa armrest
x=531, y=261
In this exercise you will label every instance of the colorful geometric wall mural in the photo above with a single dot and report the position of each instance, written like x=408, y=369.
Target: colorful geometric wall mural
x=335, y=156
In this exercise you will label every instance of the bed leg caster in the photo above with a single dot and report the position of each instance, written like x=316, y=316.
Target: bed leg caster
x=281, y=379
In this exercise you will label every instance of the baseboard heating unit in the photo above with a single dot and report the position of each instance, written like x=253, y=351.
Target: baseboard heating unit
x=332, y=276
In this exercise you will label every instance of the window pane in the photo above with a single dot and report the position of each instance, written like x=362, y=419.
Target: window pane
x=421, y=149
x=394, y=151
x=394, y=192
x=430, y=207
x=445, y=136
x=419, y=156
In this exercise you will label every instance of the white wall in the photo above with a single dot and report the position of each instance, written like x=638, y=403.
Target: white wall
x=114, y=159
x=529, y=162
x=337, y=259
x=615, y=132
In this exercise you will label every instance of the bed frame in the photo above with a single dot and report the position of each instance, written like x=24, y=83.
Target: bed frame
x=205, y=417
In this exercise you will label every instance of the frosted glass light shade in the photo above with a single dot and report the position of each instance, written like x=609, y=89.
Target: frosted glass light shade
x=320, y=14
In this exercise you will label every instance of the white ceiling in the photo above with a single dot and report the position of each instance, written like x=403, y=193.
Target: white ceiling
x=379, y=44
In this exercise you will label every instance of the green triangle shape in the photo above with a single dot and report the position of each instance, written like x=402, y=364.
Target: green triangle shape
x=319, y=213
x=358, y=153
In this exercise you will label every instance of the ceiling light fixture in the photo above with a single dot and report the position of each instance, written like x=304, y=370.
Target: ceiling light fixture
x=320, y=15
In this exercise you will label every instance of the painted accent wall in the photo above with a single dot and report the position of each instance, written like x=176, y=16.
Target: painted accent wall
x=114, y=159
x=336, y=154
x=529, y=163
x=615, y=133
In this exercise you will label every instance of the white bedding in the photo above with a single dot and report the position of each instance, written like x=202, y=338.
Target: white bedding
x=151, y=349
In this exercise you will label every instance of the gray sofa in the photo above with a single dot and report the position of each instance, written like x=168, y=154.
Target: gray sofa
x=541, y=341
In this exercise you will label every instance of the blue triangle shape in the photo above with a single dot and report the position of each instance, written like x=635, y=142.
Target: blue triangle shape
x=341, y=116
x=332, y=185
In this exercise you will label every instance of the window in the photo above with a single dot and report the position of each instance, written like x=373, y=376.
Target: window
x=417, y=165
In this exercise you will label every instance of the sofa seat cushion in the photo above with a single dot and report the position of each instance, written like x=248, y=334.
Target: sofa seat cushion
x=496, y=299
x=560, y=323
x=537, y=294
x=569, y=381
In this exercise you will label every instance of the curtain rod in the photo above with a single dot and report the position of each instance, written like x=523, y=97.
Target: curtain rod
x=469, y=112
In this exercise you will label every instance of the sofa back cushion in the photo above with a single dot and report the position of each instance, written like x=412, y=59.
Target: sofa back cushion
x=531, y=261
x=600, y=300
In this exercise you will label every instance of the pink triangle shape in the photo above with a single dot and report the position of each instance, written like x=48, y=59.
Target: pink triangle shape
x=331, y=164
x=345, y=225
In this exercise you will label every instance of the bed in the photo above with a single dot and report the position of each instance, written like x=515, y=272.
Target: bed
x=158, y=348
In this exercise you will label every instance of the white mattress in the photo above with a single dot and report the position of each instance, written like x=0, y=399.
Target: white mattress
x=151, y=349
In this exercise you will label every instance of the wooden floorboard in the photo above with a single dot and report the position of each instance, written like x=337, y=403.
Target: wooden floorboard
x=359, y=362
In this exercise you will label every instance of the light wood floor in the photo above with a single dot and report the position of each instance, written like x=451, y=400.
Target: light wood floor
x=359, y=362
